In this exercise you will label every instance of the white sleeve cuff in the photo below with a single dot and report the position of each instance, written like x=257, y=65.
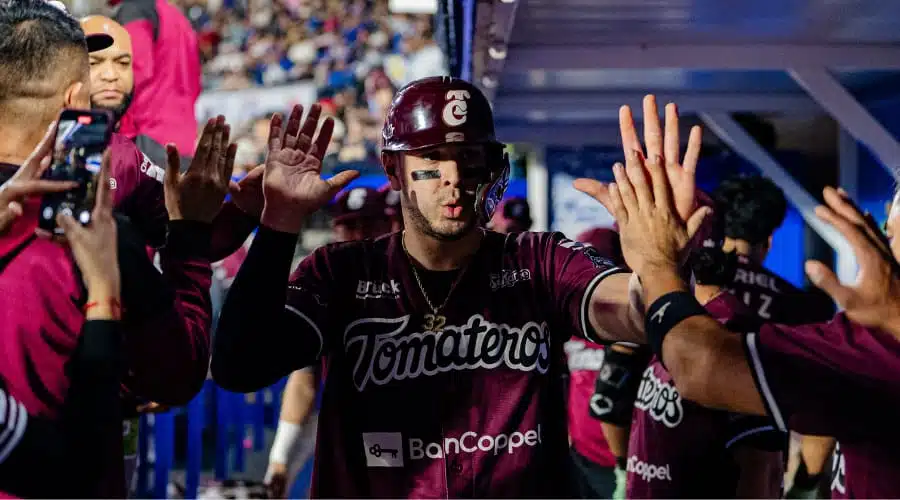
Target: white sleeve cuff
x=762, y=383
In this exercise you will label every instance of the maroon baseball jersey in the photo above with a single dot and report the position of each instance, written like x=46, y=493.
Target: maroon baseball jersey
x=417, y=406
x=836, y=379
x=584, y=361
x=772, y=298
x=679, y=449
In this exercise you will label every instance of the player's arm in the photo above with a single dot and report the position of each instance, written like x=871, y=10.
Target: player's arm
x=168, y=316
x=68, y=446
x=707, y=362
x=296, y=404
x=613, y=313
x=266, y=322
x=230, y=230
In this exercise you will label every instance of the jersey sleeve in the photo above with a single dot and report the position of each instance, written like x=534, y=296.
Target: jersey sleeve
x=309, y=293
x=819, y=378
x=572, y=271
x=137, y=183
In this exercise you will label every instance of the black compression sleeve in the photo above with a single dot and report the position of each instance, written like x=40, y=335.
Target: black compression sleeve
x=254, y=329
x=75, y=445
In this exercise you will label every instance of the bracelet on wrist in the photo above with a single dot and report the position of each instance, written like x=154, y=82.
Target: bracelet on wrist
x=114, y=305
x=666, y=312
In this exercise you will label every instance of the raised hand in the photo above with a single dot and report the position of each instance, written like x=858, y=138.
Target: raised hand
x=94, y=246
x=292, y=182
x=247, y=193
x=198, y=193
x=663, y=148
x=654, y=236
x=874, y=300
x=27, y=181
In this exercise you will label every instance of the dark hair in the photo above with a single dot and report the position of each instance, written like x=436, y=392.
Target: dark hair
x=712, y=266
x=752, y=207
x=35, y=38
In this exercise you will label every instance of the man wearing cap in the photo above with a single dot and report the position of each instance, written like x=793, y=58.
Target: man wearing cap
x=357, y=214
x=166, y=73
x=512, y=216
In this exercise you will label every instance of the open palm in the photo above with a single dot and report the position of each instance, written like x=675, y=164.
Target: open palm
x=662, y=146
x=293, y=186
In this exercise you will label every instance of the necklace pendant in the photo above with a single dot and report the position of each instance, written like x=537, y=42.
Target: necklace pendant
x=434, y=322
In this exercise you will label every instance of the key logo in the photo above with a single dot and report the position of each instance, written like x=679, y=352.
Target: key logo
x=383, y=449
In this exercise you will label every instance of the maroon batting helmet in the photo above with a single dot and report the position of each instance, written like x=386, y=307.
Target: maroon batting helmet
x=442, y=110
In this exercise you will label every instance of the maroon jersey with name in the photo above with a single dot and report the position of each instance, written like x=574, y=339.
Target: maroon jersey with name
x=467, y=402
x=679, y=449
x=772, y=298
x=836, y=379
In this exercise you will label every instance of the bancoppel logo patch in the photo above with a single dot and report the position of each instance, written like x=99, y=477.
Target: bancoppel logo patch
x=151, y=169
x=377, y=289
x=506, y=278
x=383, y=449
x=648, y=472
x=659, y=399
x=384, y=354
x=471, y=442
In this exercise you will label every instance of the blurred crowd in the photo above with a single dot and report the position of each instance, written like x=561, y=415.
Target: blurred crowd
x=356, y=51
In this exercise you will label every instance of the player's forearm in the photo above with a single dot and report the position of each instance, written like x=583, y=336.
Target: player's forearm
x=706, y=360
x=169, y=348
x=617, y=437
x=612, y=314
x=230, y=229
x=254, y=327
x=299, y=396
x=816, y=451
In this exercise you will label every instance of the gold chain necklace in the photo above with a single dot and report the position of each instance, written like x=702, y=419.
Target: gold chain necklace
x=435, y=321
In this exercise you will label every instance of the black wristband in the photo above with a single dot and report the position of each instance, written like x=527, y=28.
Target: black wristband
x=189, y=239
x=669, y=310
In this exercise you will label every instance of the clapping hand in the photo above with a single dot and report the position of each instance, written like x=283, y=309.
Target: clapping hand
x=198, y=193
x=653, y=199
x=27, y=181
x=874, y=301
x=292, y=182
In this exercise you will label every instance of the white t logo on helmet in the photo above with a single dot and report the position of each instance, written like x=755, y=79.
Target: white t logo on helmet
x=356, y=199
x=455, y=110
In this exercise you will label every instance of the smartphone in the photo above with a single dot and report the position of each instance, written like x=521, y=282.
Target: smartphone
x=81, y=138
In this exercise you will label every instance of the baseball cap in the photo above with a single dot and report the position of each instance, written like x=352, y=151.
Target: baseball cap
x=516, y=209
x=96, y=41
x=357, y=203
x=391, y=200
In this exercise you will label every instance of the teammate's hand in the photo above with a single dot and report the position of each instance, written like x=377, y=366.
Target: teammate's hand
x=292, y=182
x=198, y=193
x=663, y=149
x=94, y=246
x=247, y=193
x=26, y=181
x=276, y=480
x=653, y=235
x=874, y=300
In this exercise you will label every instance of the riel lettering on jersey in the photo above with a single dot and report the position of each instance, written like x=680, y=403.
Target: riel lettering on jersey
x=383, y=355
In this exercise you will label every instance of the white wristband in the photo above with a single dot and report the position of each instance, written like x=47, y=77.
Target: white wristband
x=285, y=439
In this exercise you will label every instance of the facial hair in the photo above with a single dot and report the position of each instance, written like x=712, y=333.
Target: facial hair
x=117, y=111
x=424, y=225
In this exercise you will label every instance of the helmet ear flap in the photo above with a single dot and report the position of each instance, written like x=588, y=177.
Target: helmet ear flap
x=389, y=162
